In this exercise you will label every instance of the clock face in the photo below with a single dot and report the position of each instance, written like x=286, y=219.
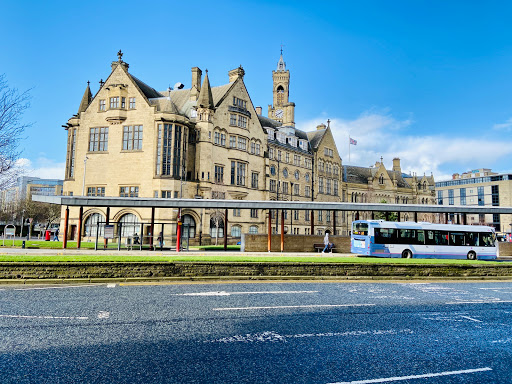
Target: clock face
x=279, y=113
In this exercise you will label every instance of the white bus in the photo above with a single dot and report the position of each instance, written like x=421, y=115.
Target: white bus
x=423, y=240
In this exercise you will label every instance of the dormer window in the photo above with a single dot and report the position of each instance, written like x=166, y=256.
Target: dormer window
x=271, y=134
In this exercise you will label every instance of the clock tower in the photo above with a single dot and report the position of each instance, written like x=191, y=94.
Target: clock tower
x=281, y=110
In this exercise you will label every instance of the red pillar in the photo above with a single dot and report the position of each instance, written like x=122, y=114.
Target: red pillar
x=178, y=232
x=269, y=238
x=282, y=230
x=226, y=230
x=79, y=238
x=66, y=220
x=107, y=222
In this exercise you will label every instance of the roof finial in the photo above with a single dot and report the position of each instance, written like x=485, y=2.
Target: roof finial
x=120, y=55
x=381, y=159
x=88, y=82
x=282, y=48
x=101, y=83
x=328, y=123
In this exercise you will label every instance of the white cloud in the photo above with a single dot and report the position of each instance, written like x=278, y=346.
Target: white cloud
x=378, y=134
x=42, y=167
x=506, y=126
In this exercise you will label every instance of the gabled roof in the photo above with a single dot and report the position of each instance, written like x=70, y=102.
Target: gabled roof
x=164, y=104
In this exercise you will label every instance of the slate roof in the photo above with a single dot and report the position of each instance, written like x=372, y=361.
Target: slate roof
x=164, y=104
x=267, y=122
x=315, y=137
x=360, y=175
x=149, y=92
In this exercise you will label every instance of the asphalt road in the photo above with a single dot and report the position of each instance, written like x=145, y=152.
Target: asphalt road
x=257, y=333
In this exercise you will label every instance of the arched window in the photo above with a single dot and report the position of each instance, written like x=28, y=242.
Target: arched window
x=236, y=231
x=91, y=225
x=216, y=227
x=424, y=185
x=189, y=226
x=280, y=95
x=381, y=179
x=253, y=229
x=129, y=225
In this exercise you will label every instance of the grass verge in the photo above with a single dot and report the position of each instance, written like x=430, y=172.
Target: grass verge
x=243, y=258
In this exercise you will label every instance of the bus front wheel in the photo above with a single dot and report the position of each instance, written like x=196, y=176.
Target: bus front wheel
x=471, y=255
x=407, y=254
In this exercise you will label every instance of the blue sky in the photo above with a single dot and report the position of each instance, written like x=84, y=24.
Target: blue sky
x=426, y=81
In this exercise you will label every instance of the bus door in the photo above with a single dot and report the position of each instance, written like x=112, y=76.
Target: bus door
x=442, y=249
x=430, y=243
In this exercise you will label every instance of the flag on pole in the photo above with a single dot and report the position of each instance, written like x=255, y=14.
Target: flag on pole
x=352, y=141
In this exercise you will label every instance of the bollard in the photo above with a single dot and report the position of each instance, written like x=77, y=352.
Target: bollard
x=23, y=244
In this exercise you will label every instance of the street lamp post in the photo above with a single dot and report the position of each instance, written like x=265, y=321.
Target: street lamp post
x=83, y=182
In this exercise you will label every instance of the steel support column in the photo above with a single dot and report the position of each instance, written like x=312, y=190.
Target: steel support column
x=334, y=222
x=152, y=229
x=107, y=222
x=312, y=222
x=225, y=229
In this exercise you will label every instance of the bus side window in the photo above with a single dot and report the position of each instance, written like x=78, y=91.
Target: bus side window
x=472, y=239
x=486, y=240
x=441, y=238
x=430, y=238
x=421, y=237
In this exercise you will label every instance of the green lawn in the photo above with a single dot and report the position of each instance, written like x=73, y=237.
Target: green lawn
x=158, y=257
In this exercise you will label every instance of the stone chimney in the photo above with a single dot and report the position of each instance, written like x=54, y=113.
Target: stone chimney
x=236, y=73
x=396, y=165
x=321, y=126
x=196, y=83
x=258, y=111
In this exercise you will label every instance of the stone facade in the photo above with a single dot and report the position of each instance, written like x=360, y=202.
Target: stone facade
x=207, y=142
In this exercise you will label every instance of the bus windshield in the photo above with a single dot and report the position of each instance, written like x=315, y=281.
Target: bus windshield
x=360, y=229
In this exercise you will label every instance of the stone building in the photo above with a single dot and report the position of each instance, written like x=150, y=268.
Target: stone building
x=211, y=142
x=377, y=184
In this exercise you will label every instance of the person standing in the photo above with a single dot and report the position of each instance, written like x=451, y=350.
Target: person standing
x=56, y=235
x=327, y=242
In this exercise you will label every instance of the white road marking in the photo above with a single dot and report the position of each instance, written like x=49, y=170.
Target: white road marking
x=479, y=302
x=103, y=315
x=111, y=285
x=45, y=317
x=427, y=375
x=60, y=287
x=271, y=336
x=293, y=306
x=224, y=293
x=470, y=318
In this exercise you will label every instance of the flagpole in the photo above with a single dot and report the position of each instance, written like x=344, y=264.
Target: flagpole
x=349, y=147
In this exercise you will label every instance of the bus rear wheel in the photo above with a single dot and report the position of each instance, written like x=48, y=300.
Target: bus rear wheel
x=406, y=254
x=471, y=255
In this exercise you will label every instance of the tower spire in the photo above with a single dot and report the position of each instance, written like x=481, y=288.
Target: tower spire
x=205, y=98
x=86, y=99
x=281, y=65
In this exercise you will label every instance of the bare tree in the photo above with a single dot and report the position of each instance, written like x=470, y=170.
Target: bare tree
x=217, y=219
x=12, y=105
